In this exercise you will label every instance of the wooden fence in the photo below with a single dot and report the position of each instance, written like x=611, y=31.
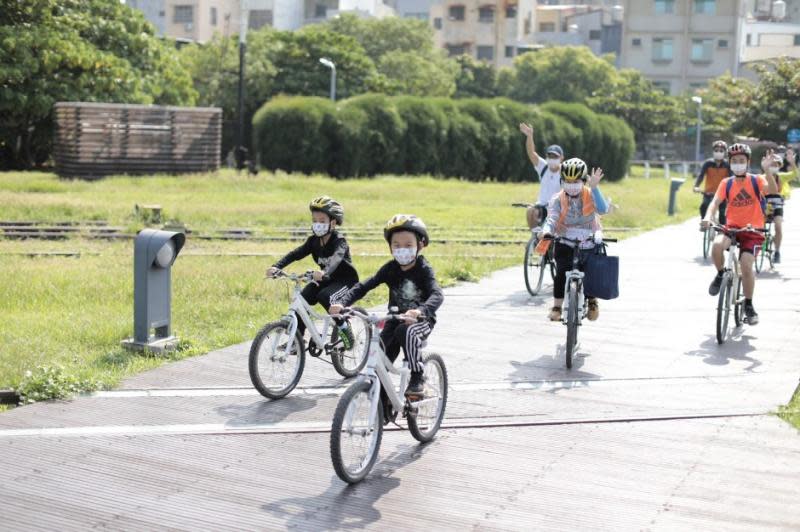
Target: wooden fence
x=94, y=140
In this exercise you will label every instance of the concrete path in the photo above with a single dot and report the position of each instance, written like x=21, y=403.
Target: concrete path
x=655, y=427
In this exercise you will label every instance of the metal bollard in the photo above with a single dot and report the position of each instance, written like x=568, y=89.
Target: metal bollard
x=666, y=170
x=647, y=169
x=674, y=185
x=153, y=257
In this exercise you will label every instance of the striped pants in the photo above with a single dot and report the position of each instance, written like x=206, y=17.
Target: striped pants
x=397, y=335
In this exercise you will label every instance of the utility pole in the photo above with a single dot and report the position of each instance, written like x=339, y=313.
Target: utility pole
x=241, y=151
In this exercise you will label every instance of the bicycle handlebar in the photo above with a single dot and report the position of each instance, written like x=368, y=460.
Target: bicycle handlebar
x=375, y=318
x=525, y=205
x=732, y=231
x=574, y=240
x=307, y=276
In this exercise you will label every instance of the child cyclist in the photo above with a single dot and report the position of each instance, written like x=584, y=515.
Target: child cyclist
x=714, y=170
x=775, y=202
x=412, y=289
x=745, y=194
x=331, y=252
x=573, y=213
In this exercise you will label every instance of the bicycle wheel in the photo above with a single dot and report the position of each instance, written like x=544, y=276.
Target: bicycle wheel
x=349, y=362
x=572, y=323
x=354, y=440
x=724, y=307
x=273, y=371
x=708, y=239
x=534, y=267
x=552, y=262
x=738, y=304
x=425, y=422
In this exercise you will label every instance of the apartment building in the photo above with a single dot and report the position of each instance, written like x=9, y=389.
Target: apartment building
x=419, y=9
x=490, y=30
x=320, y=10
x=787, y=11
x=681, y=44
x=596, y=26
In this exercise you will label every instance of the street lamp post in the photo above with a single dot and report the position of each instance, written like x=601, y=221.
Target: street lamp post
x=699, y=101
x=240, y=149
x=328, y=63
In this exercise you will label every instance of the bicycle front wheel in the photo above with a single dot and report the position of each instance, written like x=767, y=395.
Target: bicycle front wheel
x=572, y=323
x=424, y=423
x=738, y=304
x=534, y=267
x=349, y=362
x=275, y=369
x=724, y=308
x=355, y=440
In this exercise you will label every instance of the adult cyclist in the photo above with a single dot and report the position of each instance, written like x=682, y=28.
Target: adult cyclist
x=549, y=170
x=775, y=202
x=713, y=171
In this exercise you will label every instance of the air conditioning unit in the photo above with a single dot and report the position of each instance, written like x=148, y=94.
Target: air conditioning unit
x=188, y=26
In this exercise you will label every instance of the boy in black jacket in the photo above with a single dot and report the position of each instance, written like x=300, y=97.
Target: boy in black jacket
x=412, y=288
x=329, y=250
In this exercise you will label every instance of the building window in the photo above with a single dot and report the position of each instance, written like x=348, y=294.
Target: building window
x=594, y=35
x=486, y=14
x=547, y=27
x=694, y=87
x=511, y=12
x=509, y=51
x=183, y=14
x=749, y=39
x=213, y=16
x=527, y=25
x=437, y=23
x=797, y=39
x=456, y=49
x=456, y=12
x=701, y=50
x=705, y=7
x=662, y=50
x=636, y=41
x=722, y=43
x=162, y=14
x=663, y=86
x=664, y=7
x=419, y=16
x=259, y=18
x=486, y=53
x=320, y=11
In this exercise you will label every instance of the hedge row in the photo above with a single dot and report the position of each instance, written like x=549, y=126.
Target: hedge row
x=471, y=138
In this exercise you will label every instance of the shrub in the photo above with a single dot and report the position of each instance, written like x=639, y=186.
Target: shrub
x=51, y=382
x=425, y=134
x=382, y=135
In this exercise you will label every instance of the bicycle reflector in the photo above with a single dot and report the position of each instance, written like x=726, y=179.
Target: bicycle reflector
x=154, y=253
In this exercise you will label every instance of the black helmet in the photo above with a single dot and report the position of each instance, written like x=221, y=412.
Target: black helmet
x=406, y=222
x=329, y=206
x=739, y=149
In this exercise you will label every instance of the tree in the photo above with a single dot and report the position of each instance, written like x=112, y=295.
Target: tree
x=637, y=101
x=416, y=75
x=73, y=50
x=565, y=73
x=773, y=106
x=475, y=79
x=378, y=37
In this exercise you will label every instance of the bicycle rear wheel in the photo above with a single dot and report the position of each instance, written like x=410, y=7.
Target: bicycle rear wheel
x=273, y=371
x=425, y=422
x=572, y=323
x=355, y=440
x=724, y=307
x=534, y=267
x=762, y=251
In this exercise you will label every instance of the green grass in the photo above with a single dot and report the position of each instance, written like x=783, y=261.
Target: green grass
x=791, y=412
x=73, y=311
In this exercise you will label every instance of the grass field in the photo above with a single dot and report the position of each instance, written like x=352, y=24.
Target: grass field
x=73, y=311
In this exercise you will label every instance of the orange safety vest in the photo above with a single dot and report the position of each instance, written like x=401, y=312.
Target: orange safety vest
x=588, y=206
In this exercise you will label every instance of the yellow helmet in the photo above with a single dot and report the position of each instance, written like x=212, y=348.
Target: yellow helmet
x=406, y=222
x=573, y=170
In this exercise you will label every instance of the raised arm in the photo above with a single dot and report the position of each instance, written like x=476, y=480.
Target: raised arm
x=530, y=146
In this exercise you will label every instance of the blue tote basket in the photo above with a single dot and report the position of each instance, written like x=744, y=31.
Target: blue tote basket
x=601, y=278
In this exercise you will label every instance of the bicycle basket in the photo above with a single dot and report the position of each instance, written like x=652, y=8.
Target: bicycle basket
x=601, y=277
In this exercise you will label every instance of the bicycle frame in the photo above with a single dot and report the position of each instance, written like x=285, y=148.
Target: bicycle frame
x=574, y=275
x=299, y=307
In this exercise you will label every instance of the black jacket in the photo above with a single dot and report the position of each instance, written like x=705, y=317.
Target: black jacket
x=333, y=258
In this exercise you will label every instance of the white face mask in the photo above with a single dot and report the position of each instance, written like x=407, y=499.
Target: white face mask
x=719, y=155
x=739, y=168
x=553, y=163
x=404, y=256
x=320, y=229
x=573, y=189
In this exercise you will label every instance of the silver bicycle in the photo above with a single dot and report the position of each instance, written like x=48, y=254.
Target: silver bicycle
x=358, y=422
x=277, y=354
x=730, y=292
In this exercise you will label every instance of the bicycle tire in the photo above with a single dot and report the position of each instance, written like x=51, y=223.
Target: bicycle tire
x=414, y=427
x=723, y=308
x=761, y=251
x=738, y=304
x=255, y=355
x=708, y=239
x=533, y=267
x=342, y=471
x=552, y=262
x=337, y=358
x=572, y=324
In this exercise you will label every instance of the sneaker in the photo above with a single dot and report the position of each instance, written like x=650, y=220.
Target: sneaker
x=555, y=314
x=594, y=309
x=713, y=288
x=389, y=414
x=776, y=257
x=416, y=386
x=750, y=314
x=346, y=335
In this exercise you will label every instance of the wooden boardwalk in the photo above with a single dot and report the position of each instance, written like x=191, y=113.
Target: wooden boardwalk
x=655, y=428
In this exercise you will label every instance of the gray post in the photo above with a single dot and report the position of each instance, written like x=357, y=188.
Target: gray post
x=333, y=83
x=674, y=185
x=153, y=256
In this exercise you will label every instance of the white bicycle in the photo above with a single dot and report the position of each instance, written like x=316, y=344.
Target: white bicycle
x=277, y=354
x=358, y=422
